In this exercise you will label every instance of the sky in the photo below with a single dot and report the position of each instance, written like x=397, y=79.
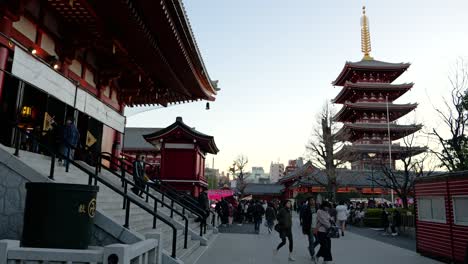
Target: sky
x=275, y=61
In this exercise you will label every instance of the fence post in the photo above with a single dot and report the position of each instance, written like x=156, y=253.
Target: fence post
x=4, y=246
x=17, y=141
x=116, y=253
x=52, y=166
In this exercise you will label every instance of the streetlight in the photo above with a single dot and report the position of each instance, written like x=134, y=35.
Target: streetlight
x=372, y=156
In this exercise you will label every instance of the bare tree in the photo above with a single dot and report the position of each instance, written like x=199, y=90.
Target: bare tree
x=238, y=170
x=323, y=146
x=415, y=163
x=454, y=154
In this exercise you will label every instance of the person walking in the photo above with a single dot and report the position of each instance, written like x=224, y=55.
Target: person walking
x=309, y=223
x=342, y=216
x=396, y=223
x=240, y=212
x=258, y=213
x=138, y=175
x=204, y=204
x=71, y=138
x=270, y=216
x=323, y=224
x=385, y=222
x=285, y=228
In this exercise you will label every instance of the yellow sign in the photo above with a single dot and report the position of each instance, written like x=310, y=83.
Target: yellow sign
x=48, y=121
x=90, y=139
x=92, y=208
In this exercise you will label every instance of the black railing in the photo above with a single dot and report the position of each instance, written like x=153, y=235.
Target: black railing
x=94, y=175
x=144, y=191
x=185, y=203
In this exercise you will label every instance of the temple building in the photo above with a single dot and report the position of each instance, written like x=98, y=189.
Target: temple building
x=77, y=60
x=369, y=114
x=175, y=154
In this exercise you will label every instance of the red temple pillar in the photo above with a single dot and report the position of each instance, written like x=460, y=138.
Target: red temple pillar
x=6, y=25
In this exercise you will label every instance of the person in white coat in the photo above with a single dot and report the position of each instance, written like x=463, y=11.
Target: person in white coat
x=341, y=216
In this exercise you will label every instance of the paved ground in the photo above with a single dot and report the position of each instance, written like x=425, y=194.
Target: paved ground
x=399, y=241
x=238, y=229
x=350, y=249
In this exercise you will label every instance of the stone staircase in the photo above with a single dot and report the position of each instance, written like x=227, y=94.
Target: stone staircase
x=110, y=203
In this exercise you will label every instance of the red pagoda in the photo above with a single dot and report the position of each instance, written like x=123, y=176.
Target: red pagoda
x=369, y=113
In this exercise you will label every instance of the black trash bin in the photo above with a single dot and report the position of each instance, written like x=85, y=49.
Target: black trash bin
x=58, y=215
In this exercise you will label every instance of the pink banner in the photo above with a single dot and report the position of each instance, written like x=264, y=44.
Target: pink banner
x=218, y=194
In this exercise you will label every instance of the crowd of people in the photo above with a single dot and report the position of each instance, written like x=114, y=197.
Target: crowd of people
x=320, y=221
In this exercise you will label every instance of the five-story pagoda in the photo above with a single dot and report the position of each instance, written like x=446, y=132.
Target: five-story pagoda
x=368, y=113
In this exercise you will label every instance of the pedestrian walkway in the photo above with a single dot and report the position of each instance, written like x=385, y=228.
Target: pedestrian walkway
x=350, y=249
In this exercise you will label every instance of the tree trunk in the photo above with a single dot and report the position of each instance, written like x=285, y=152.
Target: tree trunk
x=329, y=159
x=404, y=200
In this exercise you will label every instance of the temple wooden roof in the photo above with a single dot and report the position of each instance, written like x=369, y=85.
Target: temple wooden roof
x=146, y=47
x=356, y=151
x=350, y=89
x=179, y=132
x=352, y=132
x=134, y=140
x=393, y=70
x=349, y=110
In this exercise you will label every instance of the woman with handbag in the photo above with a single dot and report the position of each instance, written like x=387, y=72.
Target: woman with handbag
x=323, y=224
x=284, y=227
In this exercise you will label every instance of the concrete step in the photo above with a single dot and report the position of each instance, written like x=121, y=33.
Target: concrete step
x=111, y=203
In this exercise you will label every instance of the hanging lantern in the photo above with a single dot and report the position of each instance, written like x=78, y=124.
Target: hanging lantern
x=26, y=111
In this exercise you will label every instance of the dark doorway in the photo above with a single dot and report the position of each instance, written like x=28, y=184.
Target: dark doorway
x=90, y=138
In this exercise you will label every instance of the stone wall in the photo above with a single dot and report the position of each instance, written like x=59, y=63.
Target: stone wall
x=13, y=176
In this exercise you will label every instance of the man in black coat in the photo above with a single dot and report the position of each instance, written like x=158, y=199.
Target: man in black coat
x=139, y=175
x=258, y=213
x=204, y=203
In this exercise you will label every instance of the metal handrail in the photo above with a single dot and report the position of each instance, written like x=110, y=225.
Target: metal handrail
x=94, y=175
x=144, y=191
x=108, y=156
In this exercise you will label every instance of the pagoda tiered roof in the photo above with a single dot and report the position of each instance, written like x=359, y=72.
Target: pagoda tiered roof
x=348, y=92
x=356, y=151
x=390, y=70
x=352, y=132
x=349, y=112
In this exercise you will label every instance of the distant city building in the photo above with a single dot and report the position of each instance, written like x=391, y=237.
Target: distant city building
x=293, y=165
x=276, y=172
x=257, y=175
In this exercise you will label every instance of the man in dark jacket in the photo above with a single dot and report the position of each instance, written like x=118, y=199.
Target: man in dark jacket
x=270, y=217
x=138, y=175
x=258, y=213
x=309, y=222
x=285, y=228
x=204, y=203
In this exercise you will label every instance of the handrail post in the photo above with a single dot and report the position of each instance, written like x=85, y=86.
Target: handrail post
x=186, y=233
x=155, y=213
x=97, y=169
x=52, y=166
x=174, y=242
x=90, y=178
x=127, y=214
x=122, y=172
x=147, y=191
x=17, y=141
x=125, y=196
x=172, y=208
x=67, y=160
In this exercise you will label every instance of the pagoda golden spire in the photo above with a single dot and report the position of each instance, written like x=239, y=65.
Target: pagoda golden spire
x=365, y=36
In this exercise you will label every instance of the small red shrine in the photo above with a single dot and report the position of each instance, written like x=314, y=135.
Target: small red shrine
x=182, y=152
x=369, y=113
